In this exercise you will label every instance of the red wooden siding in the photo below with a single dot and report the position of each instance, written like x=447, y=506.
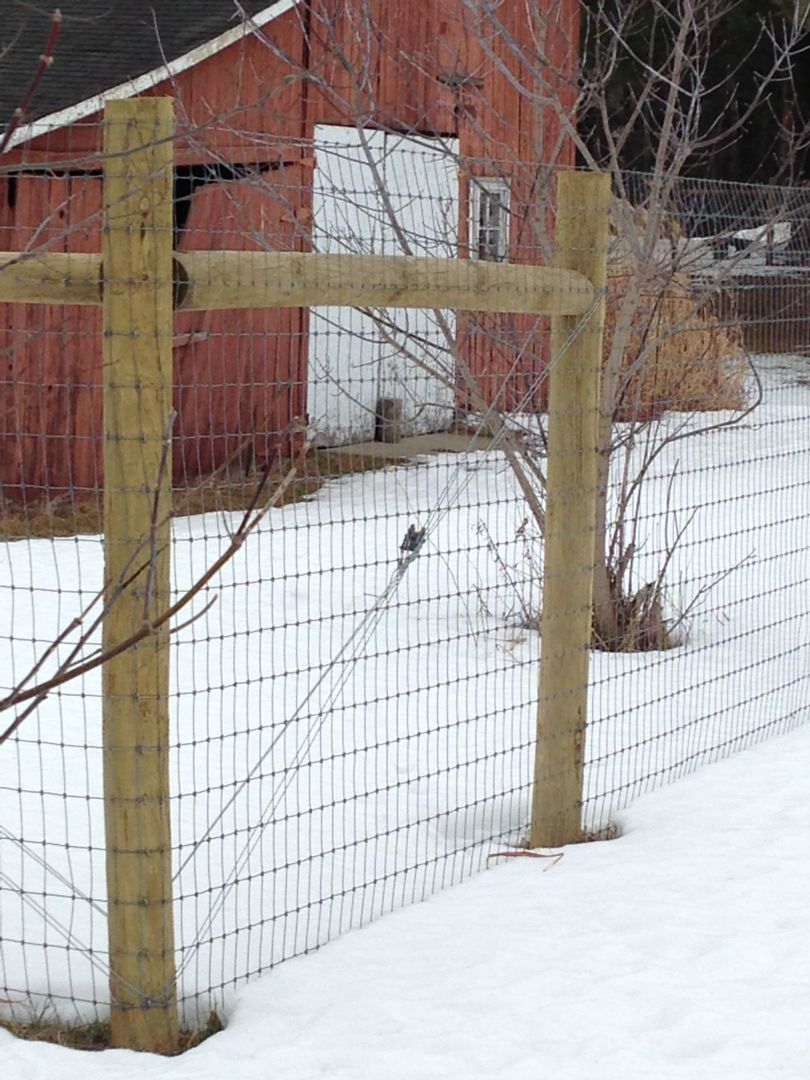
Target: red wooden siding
x=50, y=393
x=240, y=375
x=380, y=64
x=504, y=134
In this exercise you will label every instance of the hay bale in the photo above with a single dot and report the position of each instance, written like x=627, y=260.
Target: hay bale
x=677, y=356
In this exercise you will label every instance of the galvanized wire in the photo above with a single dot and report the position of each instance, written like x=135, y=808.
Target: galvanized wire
x=353, y=723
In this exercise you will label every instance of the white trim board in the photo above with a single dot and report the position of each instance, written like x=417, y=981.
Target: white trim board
x=82, y=109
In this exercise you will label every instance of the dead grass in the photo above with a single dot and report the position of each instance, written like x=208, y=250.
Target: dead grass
x=51, y=518
x=597, y=836
x=96, y=1035
x=678, y=355
x=638, y=621
x=77, y=516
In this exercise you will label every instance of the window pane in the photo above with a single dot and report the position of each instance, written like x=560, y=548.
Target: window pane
x=492, y=224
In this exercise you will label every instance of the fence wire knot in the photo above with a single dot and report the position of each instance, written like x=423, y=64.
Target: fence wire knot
x=411, y=544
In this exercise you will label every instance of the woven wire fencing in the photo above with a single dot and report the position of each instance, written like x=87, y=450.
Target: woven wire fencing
x=353, y=704
x=708, y=480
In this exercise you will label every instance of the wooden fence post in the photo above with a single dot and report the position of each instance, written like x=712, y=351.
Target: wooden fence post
x=137, y=306
x=583, y=207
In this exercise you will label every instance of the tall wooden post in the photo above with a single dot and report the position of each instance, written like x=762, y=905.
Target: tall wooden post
x=137, y=304
x=583, y=207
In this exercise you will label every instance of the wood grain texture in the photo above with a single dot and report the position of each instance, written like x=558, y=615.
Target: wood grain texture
x=576, y=347
x=137, y=471
x=225, y=279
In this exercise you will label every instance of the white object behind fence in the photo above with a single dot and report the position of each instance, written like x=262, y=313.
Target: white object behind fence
x=381, y=194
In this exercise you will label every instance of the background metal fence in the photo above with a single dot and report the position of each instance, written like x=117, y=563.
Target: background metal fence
x=352, y=713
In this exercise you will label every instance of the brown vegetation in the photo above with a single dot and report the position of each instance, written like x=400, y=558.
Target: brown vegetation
x=74, y=515
x=678, y=355
x=96, y=1034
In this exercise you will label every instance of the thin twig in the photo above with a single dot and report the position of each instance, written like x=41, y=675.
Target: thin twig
x=153, y=626
x=554, y=857
x=43, y=65
x=154, y=523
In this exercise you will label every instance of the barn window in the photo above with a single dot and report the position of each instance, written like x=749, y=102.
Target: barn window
x=489, y=225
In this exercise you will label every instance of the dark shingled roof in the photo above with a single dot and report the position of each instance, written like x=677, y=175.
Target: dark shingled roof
x=102, y=43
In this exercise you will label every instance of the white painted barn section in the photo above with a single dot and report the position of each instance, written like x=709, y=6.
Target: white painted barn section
x=382, y=194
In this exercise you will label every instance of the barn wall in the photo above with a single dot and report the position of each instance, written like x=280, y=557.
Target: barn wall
x=240, y=377
x=50, y=389
x=426, y=67
x=382, y=65
x=504, y=134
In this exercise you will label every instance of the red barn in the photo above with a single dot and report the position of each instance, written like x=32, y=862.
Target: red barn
x=350, y=125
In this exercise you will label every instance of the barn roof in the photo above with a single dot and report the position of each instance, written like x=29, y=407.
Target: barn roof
x=106, y=45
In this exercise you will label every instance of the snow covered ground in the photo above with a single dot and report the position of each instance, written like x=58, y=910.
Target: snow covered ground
x=367, y=796
x=679, y=950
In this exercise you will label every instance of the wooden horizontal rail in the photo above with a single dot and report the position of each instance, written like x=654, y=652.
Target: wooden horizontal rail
x=211, y=280
x=256, y=279
x=50, y=277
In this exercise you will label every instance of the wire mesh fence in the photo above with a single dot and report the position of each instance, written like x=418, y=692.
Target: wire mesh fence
x=352, y=700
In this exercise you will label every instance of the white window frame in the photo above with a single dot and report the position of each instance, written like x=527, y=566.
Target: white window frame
x=480, y=190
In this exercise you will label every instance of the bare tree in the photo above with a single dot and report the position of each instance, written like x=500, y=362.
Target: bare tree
x=660, y=288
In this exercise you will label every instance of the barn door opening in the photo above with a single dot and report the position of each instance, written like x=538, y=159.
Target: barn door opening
x=395, y=195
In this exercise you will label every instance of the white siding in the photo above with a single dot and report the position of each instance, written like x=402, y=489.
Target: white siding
x=393, y=195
